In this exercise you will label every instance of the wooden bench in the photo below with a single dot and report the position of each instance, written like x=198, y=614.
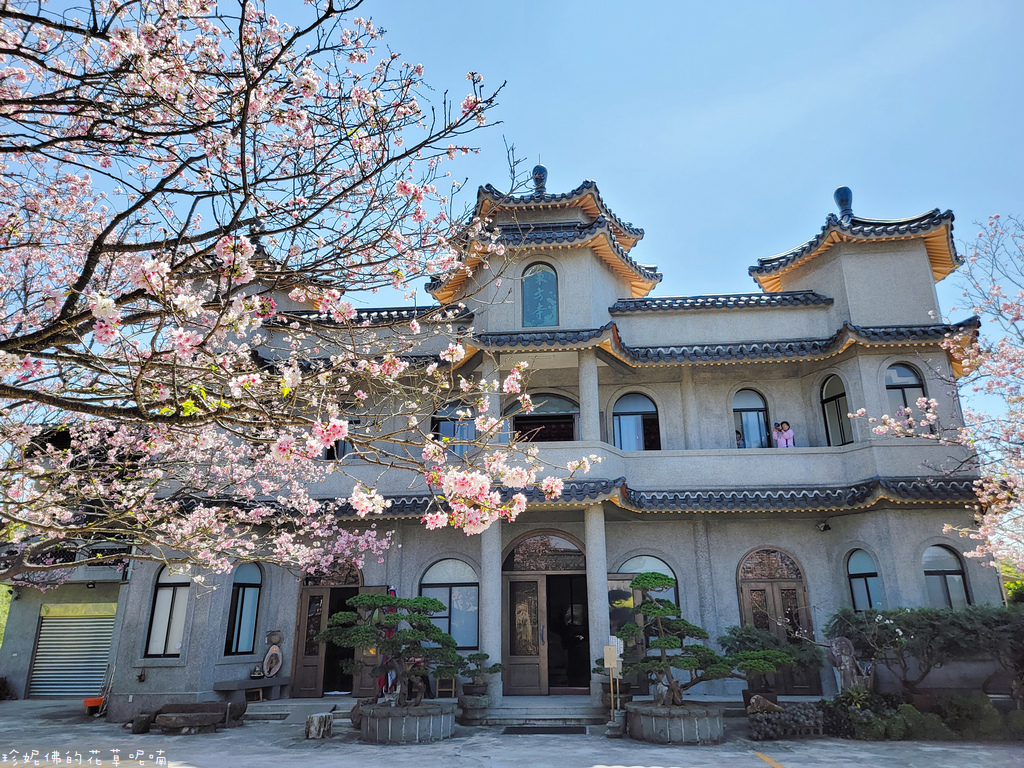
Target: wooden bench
x=261, y=684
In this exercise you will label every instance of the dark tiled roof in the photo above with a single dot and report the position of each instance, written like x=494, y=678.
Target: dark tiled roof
x=728, y=301
x=541, y=338
x=942, y=489
x=858, y=228
x=795, y=349
x=382, y=315
x=487, y=191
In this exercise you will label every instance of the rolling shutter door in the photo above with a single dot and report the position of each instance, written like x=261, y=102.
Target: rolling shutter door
x=70, y=656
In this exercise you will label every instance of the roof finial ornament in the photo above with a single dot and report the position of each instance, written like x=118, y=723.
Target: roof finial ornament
x=844, y=199
x=540, y=178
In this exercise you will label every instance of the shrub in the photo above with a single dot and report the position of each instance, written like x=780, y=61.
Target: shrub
x=895, y=727
x=1015, y=592
x=925, y=726
x=836, y=716
x=970, y=716
x=867, y=726
x=1015, y=724
x=805, y=654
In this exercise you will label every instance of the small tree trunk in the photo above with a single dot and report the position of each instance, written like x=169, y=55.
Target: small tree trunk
x=320, y=726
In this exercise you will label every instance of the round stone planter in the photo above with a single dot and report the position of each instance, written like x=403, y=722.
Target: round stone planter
x=382, y=724
x=674, y=725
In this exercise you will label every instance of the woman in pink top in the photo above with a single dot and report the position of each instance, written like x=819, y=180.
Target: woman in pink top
x=783, y=435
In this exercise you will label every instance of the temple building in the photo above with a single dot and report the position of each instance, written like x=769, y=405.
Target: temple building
x=680, y=395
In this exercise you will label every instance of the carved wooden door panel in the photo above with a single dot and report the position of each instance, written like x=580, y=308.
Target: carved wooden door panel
x=309, y=653
x=525, y=653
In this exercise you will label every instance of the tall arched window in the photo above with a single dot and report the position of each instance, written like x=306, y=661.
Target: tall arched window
x=651, y=564
x=167, y=619
x=835, y=408
x=540, y=297
x=454, y=427
x=245, y=602
x=903, y=386
x=750, y=415
x=944, y=578
x=455, y=584
x=865, y=583
x=552, y=419
x=635, y=424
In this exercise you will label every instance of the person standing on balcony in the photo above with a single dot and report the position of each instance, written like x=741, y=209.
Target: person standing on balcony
x=783, y=435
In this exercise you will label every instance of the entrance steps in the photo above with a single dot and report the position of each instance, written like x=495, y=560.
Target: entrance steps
x=546, y=711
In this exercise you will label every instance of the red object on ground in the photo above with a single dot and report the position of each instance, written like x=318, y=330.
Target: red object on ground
x=94, y=702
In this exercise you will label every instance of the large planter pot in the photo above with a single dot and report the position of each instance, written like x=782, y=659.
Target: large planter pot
x=474, y=689
x=382, y=724
x=674, y=725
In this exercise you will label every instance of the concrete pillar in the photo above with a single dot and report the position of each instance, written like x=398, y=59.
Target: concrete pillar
x=490, y=602
x=709, y=618
x=597, y=588
x=590, y=404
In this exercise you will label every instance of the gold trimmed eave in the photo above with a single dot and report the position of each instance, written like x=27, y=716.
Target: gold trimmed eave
x=934, y=228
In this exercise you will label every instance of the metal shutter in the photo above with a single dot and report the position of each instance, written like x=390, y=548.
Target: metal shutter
x=71, y=656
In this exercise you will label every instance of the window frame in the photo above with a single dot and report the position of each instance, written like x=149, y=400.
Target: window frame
x=864, y=576
x=646, y=417
x=767, y=438
x=522, y=303
x=453, y=446
x=902, y=388
x=447, y=617
x=173, y=587
x=841, y=417
x=238, y=589
x=962, y=573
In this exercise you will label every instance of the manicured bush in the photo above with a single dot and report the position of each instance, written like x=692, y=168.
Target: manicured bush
x=925, y=726
x=970, y=716
x=895, y=727
x=867, y=726
x=836, y=718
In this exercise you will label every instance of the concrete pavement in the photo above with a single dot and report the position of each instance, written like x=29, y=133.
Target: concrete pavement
x=62, y=727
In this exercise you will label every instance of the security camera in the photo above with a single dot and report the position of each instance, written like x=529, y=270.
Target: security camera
x=823, y=527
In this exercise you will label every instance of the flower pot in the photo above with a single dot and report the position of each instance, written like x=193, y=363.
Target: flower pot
x=474, y=689
x=382, y=724
x=674, y=725
x=767, y=695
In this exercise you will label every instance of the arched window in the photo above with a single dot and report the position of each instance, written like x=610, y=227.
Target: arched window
x=454, y=427
x=545, y=552
x=167, y=619
x=865, y=583
x=540, y=297
x=553, y=418
x=455, y=584
x=903, y=386
x=245, y=602
x=635, y=424
x=944, y=578
x=750, y=415
x=651, y=564
x=838, y=429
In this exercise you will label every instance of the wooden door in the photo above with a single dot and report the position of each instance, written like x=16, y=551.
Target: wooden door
x=309, y=653
x=524, y=641
x=365, y=683
x=781, y=607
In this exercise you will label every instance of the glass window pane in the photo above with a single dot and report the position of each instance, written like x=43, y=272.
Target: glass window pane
x=464, y=614
x=753, y=429
x=634, y=403
x=859, y=588
x=553, y=404
x=957, y=590
x=936, y=591
x=540, y=297
x=938, y=558
x=895, y=401
x=545, y=553
x=438, y=593
x=877, y=592
x=748, y=398
x=833, y=387
x=901, y=375
x=177, y=627
x=245, y=628
x=620, y=603
x=843, y=408
x=249, y=573
x=523, y=620
x=860, y=562
x=835, y=431
x=628, y=432
x=450, y=571
x=158, y=622
x=646, y=564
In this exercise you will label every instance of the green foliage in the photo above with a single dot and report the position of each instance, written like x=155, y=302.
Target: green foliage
x=856, y=697
x=806, y=655
x=853, y=714
x=405, y=639
x=867, y=726
x=1015, y=724
x=477, y=667
x=970, y=716
x=1015, y=592
x=667, y=632
x=922, y=726
x=5, y=608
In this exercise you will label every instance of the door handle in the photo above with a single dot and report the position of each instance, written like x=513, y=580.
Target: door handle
x=542, y=634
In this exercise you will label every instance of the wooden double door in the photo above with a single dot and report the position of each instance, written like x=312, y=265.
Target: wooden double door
x=318, y=666
x=545, y=634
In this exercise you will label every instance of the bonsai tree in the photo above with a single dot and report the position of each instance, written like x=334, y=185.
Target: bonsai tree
x=680, y=665
x=806, y=655
x=408, y=643
x=474, y=667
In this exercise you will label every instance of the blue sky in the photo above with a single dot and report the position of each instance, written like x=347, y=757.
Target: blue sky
x=723, y=129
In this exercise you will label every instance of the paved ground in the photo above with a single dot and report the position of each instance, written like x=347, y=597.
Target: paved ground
x=50, y=727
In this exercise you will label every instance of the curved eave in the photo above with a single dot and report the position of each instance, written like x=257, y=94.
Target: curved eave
x=586, y=197
x=935, y=229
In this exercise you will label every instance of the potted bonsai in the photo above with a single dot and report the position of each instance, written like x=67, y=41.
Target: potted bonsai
x=677, y=667
x=475, y=668
x=409, y=648
x=806, y=656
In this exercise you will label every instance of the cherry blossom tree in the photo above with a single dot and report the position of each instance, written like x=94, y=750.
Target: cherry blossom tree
x=993, y=366
x=193, y=197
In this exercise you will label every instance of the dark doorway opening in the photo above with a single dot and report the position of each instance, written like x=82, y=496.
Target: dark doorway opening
x=568, y=641
x=336, y=680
